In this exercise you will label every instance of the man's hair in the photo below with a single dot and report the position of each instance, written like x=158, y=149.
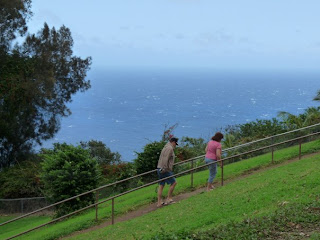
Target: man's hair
x=173, y=140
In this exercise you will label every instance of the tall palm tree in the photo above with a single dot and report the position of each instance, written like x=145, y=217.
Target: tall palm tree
x=309, y=117
x=312, y=115
x=291, y=121
x=228, y=142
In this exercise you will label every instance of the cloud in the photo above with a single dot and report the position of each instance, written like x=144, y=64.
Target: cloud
x=125, y=28
x=180, y=36
x=218, y=37
x=45, y=15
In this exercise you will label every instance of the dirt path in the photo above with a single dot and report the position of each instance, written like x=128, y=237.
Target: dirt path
x=153, y=206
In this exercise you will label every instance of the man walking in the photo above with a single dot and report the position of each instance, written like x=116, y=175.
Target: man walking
x=164, y=169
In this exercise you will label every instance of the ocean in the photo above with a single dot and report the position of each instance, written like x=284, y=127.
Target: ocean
x=129, y=109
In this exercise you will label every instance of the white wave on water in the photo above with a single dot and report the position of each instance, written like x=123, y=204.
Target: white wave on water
x=265, y=115
x=253, y=100
x=197, y=102
x=147, y=105
x=302, y=92
x=159, y=111
x=155, y=98
x=109, y=99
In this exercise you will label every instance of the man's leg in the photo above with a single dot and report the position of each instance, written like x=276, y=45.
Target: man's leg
x=172, y=186
x=160, y=189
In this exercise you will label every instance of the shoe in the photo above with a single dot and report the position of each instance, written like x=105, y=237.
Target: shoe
x=162, y=204
x=170, y=201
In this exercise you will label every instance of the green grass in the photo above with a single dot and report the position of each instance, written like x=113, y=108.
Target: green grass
x=292, y=221
x=144, y=196
x=252, y=197
x=6, y=218
x=22, y=224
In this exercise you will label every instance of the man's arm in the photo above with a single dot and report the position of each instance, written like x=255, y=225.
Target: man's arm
x=170, y=159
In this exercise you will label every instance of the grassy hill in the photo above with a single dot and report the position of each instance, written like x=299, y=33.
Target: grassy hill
x=290, y=187
x=255, y=196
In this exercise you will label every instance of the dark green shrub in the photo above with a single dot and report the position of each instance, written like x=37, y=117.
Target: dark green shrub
x=69, y=171
x=21, y=180
x=116, y=172
x=190, y=148
x=148, y=159
x=101, y=152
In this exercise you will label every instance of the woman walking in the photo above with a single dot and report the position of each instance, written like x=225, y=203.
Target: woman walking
x=213, y=154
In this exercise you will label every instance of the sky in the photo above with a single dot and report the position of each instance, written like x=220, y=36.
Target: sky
x=229, y=34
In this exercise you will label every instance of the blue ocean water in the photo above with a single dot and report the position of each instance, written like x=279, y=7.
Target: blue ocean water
x=128, y=109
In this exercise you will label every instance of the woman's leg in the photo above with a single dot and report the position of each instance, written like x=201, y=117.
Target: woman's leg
x=212, y=172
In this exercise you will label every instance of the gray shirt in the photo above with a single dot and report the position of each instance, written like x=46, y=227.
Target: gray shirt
x=166, y=158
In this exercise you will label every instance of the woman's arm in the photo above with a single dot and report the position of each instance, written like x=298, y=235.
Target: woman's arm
x=218, y=154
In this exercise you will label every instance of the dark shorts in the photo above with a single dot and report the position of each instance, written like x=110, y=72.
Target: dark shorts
x=164, y=175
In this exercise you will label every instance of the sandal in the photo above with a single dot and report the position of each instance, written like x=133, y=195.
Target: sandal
x=162, y=204
x=170, y=201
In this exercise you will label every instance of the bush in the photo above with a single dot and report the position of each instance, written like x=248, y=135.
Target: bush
x=21, y=180
x=148, y=159
x=69, y=171
x=101, y=152
x=116, y=172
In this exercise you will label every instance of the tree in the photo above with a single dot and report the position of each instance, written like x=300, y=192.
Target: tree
x=309, y=117
x=168, y=132
x=37, y=80
x=101, y=152
x=13, y=18
x=292, y=121
x=66, y=172
x=22, y=180
x=317, y=98
x=190, y=147
x=148, y=159
x=312, y=115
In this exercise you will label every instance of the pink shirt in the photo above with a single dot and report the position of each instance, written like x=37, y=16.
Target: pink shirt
x=212, y=148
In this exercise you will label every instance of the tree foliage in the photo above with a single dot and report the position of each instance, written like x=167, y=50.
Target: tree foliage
x=67, y=172
x=190, y=147
x=101, y=152
x=317, y=98
x=148, y=159
x=309, y=117
x=22, y=180
x=13, y=17
x=37, y=80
